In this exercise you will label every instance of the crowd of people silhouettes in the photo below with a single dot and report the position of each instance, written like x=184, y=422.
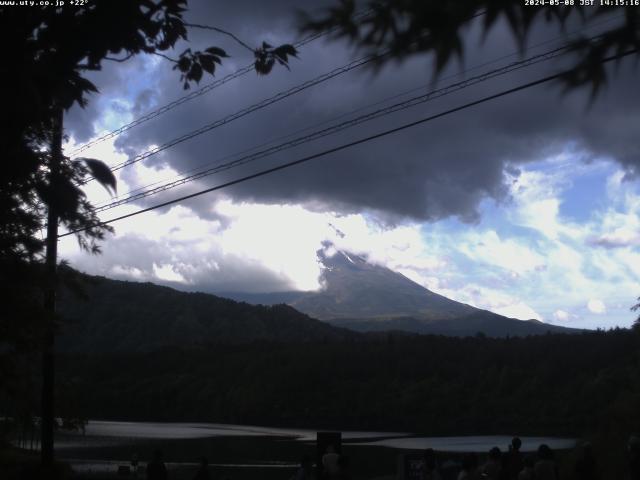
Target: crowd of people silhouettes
x=510, y=465
x=514, y=465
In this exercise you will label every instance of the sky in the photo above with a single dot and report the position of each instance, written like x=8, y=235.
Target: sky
x=528, y=205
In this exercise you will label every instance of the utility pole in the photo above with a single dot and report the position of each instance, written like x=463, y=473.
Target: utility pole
x=51, y=260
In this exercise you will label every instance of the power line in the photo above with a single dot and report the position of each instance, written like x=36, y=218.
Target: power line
x=350, y=144
x=130, y=194
x=264, y=103
x=197, y=93
x=248, y=110
x=411, y=102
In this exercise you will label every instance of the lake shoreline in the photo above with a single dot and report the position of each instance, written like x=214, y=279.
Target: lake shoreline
x=248, y=451
x=241, y=452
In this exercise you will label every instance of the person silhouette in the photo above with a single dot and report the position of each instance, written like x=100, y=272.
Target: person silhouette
x=513, y=459
x=493, y=468
x=330, y=465
x=545, y=468
x=156, y=469
x=527, y=472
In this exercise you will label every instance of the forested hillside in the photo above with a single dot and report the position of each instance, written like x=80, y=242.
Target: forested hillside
x=121, y=316
x=551, y=385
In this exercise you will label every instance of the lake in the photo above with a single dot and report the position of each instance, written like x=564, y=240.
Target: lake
x=243, y=451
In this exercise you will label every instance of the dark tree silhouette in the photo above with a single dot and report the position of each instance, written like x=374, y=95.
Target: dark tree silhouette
x=635, y=308
x=398, y=29
x=46, y=51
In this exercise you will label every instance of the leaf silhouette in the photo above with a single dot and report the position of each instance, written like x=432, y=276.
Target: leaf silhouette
x=267, y=56
x=218, y=52
x=284, y=50
x=184, y=63
x=195, y=73
x=101, y=173
x=208, y=63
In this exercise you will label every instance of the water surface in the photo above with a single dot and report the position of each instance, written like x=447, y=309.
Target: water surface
x=254, y=450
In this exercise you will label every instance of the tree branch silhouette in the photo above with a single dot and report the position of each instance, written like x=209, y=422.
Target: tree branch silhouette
x=224, y=32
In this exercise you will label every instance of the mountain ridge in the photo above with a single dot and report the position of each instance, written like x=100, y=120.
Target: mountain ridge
x=358, y=298
x=130, y=316
x=365, y=297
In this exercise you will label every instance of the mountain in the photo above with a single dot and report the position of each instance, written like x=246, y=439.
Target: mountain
x=365, y=297
x=357, y=296
x=355, y=288
x=121, y=316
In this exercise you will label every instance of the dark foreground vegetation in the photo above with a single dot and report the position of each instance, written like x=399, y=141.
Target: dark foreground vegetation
x=119, y=316
x=550, y=385
x=583, y=385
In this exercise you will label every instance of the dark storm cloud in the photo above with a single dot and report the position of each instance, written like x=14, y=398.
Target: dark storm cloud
x=436, y=170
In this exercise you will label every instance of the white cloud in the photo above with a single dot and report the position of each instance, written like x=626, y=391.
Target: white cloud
x=596, y=306
x=283, y=238
x=167, y=273
x=268, y=247
x=619, y=224
x=127, y=271
x=509, y=254
x=517, y=273
x=518, y=310
x=490, y=299
x=537, y=204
